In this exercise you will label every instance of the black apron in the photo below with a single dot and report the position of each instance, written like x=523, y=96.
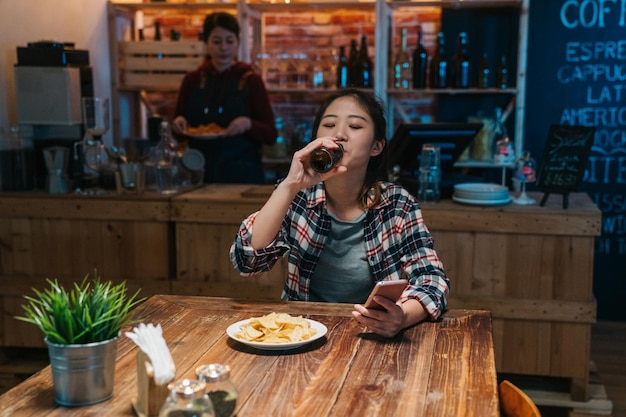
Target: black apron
x=232, y=159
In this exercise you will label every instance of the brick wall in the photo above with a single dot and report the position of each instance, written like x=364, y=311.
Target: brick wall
x=314, y=34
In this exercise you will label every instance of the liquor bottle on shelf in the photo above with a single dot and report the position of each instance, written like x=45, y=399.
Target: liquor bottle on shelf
x=502, y=73
x=402, y=65
x=484, y=74
x=157, y=31
x=420, y=62
x=354, y=76
x=366, y=66
x=461, y=63
x=342, y=68
x=439, y=65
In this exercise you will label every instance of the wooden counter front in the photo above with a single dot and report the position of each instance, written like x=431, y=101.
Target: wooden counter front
x=67, y=236
x=206, y=221
x=532, y=267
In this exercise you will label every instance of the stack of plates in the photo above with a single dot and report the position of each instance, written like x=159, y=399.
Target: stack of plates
x=481, y=193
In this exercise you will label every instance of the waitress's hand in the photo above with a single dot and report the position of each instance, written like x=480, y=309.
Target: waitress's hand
x=301, y=175
x=179, y=124
x=238, y=126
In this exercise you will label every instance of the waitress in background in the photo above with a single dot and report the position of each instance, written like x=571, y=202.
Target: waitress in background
x=227, y=92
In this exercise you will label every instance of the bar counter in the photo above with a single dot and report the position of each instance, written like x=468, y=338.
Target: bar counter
x=531, y=266
x=444, y=368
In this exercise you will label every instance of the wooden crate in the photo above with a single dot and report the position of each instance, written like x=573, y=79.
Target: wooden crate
x=157, y=64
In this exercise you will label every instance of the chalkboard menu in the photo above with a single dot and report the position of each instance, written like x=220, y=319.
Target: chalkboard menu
x=564, y=159
x=576, y=76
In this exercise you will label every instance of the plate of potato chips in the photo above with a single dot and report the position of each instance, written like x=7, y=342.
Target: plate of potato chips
x=276, y=331
x=206, y=131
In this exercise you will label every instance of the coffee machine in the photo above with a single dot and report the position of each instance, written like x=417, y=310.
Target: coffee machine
x=51, y=78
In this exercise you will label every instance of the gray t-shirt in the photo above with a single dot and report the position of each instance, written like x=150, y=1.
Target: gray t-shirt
x=342, y=274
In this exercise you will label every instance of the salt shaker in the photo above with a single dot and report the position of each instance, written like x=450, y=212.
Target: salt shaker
x=187, y=398
x=219, y=387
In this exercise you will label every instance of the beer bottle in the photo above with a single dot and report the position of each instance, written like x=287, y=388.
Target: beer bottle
x=483, y=73
x=502, y=74
x=354, y=76
x=342, y=68
x=402, y=65
x=461, y=63
x=439, y=65
x=365, y=65
x=420, y=62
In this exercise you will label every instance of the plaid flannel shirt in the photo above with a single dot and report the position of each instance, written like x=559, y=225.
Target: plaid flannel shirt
x=398, y=245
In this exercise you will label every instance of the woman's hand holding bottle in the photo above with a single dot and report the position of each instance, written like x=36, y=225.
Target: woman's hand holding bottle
x=301, y=174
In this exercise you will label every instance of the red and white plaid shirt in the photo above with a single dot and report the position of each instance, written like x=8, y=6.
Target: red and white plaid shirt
x=398, y=245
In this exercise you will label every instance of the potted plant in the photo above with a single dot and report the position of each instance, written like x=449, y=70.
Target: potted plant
x=81, y=328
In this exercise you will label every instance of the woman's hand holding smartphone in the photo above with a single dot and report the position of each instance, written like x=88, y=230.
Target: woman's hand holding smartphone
x=388, y=289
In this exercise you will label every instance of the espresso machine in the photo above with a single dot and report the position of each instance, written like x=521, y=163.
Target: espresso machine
x=51, y=78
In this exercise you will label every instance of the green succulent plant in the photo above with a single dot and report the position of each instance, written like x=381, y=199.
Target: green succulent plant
x=92, y=311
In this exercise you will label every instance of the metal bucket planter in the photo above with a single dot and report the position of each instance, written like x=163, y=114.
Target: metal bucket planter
x=83, y=374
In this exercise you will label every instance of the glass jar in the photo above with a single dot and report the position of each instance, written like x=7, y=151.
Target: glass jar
x=187, y=398
x=219, y=387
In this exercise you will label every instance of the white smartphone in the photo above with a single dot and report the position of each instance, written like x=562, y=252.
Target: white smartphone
x=388, y=289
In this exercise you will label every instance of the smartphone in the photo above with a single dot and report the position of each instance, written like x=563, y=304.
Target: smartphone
x=388, y=289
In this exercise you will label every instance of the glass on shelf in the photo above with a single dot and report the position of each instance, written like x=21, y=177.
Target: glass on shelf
x=525, y=172
x=96, y=124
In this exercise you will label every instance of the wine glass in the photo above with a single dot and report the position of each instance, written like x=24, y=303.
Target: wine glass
x=525, y=172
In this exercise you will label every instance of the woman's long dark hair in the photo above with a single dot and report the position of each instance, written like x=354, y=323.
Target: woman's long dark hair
x=377, y=165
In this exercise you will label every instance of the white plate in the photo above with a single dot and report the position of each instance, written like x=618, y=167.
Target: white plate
x=204, y=135
x=236, y=327
x=478, y=196
x=481, y=202
x=479, y=187
x=481, y=191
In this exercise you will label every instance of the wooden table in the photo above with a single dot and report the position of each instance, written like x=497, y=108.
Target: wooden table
x=445, y=368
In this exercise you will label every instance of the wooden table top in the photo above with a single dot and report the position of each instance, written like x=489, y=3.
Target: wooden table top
x=445, y=368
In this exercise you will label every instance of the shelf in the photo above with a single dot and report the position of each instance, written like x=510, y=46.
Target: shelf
x=296, y=7
x=453, y=91
x=480, y=164
x=156, y=6
x=454, y=4
x=294, y=90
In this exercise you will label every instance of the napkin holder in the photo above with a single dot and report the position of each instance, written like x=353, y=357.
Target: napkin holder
x=150, y=396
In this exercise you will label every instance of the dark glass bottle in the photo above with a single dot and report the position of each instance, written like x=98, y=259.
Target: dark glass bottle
x=502, y=73
x=366, y=65
x=354, y=76
x=461, y=63
x=439, y=65
x=420, y=62
x=157, y=31
x=484, y=74
x=402, y=64
x=342, y=68
x=324, y=159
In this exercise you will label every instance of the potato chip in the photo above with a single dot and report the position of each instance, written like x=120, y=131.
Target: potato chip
x=211, y=128
x=276, y=328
